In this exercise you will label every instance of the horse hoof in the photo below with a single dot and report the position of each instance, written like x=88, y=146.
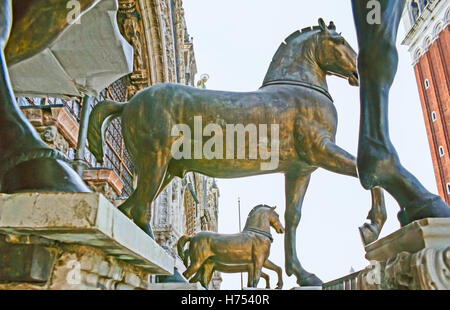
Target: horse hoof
x=369, y=233
x=311, y=280
x=434, y=207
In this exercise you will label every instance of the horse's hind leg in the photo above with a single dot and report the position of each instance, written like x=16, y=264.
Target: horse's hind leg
x=378, y=161
x=150, y=170
x=334, y=158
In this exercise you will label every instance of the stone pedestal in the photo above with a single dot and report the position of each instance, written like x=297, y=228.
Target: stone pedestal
x=105, y=181
x=176, y=286
x=414, y=257
x=74, y=241
x=307, y=288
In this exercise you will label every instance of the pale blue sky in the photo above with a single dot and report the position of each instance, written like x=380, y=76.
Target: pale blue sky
x=234, y=41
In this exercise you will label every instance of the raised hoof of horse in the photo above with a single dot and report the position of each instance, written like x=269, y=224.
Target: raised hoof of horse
x=431, y=208
x=279, y=286
x=310, y=280
x=369, y=233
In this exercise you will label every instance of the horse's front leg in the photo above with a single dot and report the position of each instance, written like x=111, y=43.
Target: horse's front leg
x=266, y=278
x=250, y=275
x=377, y=216
x=378, y=162
x=335, y=159
x=270, y=265
x=295, y=192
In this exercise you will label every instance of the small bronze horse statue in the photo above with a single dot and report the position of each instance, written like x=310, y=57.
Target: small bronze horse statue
x=294, y=96
x=251, y=247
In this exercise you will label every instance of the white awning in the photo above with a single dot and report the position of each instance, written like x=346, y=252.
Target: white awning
x=86, y=58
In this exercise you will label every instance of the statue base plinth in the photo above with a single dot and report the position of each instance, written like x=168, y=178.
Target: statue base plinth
x=74, y=241
x=174, y=286
x=306, y=288
x=416, y=257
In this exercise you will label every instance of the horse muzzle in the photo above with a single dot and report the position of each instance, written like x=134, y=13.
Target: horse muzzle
x=353, y=79
x=280, y=230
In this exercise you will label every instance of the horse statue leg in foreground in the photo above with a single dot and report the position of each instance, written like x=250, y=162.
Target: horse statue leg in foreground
x=26, y=162
x=378, y=162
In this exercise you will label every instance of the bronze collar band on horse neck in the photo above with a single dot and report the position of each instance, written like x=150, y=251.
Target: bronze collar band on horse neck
x=261, y=232
x=299, y=83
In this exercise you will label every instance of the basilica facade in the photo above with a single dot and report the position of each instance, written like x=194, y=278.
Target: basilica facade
x=156, y=35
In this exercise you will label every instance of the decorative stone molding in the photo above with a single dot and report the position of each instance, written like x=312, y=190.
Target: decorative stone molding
x=54, y=115
x=416, y=257
x=59, y=266
x=130, y=24
x=82, y=219
x=105, y=181
x=429, y=24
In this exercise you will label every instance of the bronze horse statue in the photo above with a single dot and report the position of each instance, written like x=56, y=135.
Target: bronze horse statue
x=251, y=247
x=27, y=164
x=294, y=95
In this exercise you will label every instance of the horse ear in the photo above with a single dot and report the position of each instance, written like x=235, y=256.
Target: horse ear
x=274, y=207
x=332, y=26
x=322, y=24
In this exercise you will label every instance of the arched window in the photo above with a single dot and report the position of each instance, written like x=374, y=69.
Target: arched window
x=437, y=30
x=433, y=116
x=417, y=54
x=427, y=42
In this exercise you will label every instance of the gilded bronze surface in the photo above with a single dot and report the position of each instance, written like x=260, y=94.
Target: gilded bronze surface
x=26, y=162
x=378, y=162
x=294, y=96
x=250, y=248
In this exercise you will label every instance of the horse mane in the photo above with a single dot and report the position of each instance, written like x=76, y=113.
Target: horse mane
x=298, y=33
x=257, y=208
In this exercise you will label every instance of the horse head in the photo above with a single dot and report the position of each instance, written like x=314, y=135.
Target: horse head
x=334, y=55
x=275, y=222
x=263, y=217
x=311, y=54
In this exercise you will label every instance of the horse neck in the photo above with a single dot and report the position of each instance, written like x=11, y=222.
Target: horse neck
x=260, y=222
x=297, y=62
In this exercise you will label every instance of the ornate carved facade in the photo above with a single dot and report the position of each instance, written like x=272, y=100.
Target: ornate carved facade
x=162, y=52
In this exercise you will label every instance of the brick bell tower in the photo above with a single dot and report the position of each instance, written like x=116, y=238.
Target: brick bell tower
x=428, y=37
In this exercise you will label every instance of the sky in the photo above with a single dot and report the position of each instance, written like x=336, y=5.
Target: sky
x=234, y=42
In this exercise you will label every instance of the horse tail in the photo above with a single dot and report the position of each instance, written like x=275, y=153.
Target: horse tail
x=102, y=114
x=180, y=247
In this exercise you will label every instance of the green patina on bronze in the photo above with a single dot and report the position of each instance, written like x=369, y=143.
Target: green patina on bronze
x=307, y=115
x=247, y=251
x=294, y=95
x=378, y=162
x=26, y=162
